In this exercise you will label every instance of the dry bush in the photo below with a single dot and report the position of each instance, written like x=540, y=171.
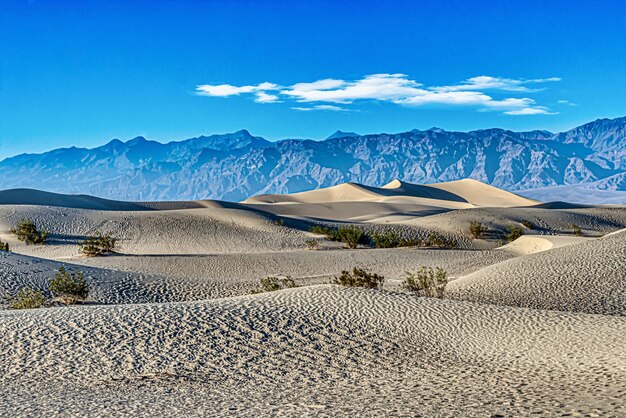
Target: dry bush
x=28, y=298
x=26, y=230
x=436, y=240
x=360, y=278
x=576, y=230
x=273, y=283
x=514, y=233
x=477, y=229
x=427, y=281
x=98, y=244
x=70, y=288
x=4, y=246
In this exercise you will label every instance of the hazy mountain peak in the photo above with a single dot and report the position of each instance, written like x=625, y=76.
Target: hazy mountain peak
x=238, y=165
x=342, y=134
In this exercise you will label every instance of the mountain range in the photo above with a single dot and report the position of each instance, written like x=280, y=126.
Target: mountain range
x=589, y=161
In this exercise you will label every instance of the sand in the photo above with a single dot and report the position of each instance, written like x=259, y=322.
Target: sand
x=534, y=327
x=587, y=277
x=318, y=351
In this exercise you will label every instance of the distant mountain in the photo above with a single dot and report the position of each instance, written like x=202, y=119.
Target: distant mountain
x=238, y=165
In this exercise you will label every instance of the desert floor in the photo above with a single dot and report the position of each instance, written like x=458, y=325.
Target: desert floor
x=172, y=326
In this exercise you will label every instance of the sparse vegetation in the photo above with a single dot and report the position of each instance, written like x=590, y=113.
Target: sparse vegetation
x=278, y=222
x=528, y=224
x=273, y=283
x=351, y=235
x=98, y=244
x=436, y=240
x=70, y=288
x=331, y=233
x=427, y=281
x=360, y=278
x=4, y=246
x=576, y=230
x=312, y=244
x=477, y=229
x=28, y=298
x=514, y=233
x=27, y=231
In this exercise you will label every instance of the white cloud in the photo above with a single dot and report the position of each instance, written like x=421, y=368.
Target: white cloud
x=536, y=110
x=394, y=88
x=566, y=102
x=321, y=107
x=263, y=97
x=496, y=83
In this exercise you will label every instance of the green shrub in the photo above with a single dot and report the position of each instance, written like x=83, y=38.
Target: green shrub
x=436, y=240
x=514, y=233
x=98, y=244
x=576, y=230
x=360, y=278
x=272, y=283
x=28, y=298
x=331, y=233
x=387, y=239
x=528, y=224
x=4, y=246
x=427, y=281
x=27, y=231
x=477, y=229
x=69, y=287
x=352, y=236
x=390, y=239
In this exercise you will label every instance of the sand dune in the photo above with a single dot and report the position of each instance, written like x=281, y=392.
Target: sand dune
x=311, y=351
x=171, y=329
x=467, y=190
x=587, y=277
x=183, y=231
x=530, y=244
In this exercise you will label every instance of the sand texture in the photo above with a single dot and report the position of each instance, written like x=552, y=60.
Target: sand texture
x=172, y=326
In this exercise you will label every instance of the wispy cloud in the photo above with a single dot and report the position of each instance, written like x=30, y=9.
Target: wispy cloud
x=479, y=92
x=321, y=107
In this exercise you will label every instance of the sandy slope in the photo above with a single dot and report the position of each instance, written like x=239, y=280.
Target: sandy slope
x=530, y=244
x=184, y=231
x=320, y=351
x=588, y=277
x=357, y=202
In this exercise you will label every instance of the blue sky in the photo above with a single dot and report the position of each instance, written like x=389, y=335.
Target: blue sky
x=81, y=73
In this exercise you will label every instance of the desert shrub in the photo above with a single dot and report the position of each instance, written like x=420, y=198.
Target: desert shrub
x=427, y=281
x=69, y=287
x=514, y=233
x=278, y=222
x=528, y=224
x=28, y=298
x=360, y=278
x=576, y=230
x=4, y=246
x=26, y=230
x=331, y=233
x=390, y=239
x=352, y=236
x=272, y=283
x=387, y=239
x=477, y=229
x=312, y=244
x=98, y=244
x=436, y=240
